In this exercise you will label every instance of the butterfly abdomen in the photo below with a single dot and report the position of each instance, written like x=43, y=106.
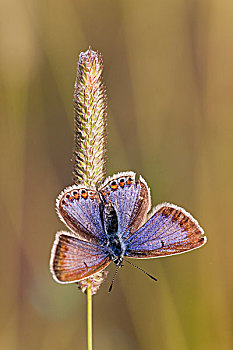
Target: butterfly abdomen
x=110, y=221
x=114, y=243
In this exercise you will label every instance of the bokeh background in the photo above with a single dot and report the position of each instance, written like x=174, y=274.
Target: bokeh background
x=168, y=74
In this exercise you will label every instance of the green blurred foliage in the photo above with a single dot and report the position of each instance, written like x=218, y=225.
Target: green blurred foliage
x=168, y=74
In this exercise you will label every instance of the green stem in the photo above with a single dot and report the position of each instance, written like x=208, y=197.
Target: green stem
x=89, y=316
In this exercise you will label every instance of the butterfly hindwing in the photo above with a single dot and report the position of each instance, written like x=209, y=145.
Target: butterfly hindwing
x=73, y=259
x=170, y=230
x=130, y=198
x=79, y=209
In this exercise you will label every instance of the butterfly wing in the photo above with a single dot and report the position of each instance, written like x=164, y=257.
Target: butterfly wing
x=73, y=260
x=170, y=230
x=78, y=208
x=130, y=198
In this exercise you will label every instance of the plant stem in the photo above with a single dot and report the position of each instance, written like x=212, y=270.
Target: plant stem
x=90, y=112
x=89, y=316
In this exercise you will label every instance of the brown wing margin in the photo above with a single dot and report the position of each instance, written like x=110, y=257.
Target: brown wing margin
x=73, y=260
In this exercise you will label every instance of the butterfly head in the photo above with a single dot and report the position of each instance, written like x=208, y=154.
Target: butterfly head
x=117, y=260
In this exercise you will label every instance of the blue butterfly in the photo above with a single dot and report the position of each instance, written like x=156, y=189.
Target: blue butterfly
x=110, y=223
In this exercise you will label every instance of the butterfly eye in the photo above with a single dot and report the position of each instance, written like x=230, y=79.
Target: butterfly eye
x=129, y=181
x=84, y=194
x=113, y=185
x=122, y=183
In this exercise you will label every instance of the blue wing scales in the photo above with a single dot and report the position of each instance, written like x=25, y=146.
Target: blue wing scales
x=170, y=230
x=79, y=209
x=130, y=198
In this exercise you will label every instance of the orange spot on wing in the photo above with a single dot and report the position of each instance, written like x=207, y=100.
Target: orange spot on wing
x=122, y=183
x=63, y=248
x=113, y=187
x=84, y=194
x=60, y=263
x=64, y=277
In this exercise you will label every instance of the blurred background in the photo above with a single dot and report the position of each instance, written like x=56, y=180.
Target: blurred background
x=168, y=74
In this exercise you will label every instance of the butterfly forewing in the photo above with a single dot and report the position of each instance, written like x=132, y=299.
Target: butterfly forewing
x=130, y=198
x=79, y=208
x=73, y=260
x=170, y=230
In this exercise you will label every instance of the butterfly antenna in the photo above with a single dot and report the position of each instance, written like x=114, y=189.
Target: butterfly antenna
x=139, y=268
x=110, y=288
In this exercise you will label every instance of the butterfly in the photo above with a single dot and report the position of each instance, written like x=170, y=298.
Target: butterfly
x=110, y=223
